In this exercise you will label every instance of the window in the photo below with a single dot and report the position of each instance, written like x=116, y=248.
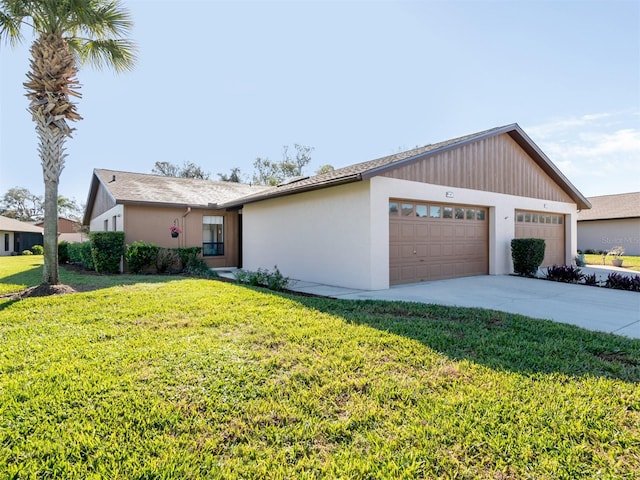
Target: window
x=393, y=209
x=471, y=214
x=434, y=211
x=480, y=215
x=115, y=223
x=421, y=210
x=6, y=242
x=447, y=212
x=407, y=209
x=106, y=225
x=459, y=213
x=212, y=235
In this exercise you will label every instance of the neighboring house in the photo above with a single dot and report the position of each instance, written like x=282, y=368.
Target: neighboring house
x=145, y=206
x=614, y=220
x=16, y=236
x=440, y=211
x=68, y=230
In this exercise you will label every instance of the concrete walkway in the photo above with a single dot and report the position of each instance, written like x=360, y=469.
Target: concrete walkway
x=599, y=309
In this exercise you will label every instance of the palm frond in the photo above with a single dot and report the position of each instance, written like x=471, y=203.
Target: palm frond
x=117, y=53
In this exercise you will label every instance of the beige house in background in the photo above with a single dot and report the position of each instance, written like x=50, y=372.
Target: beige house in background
x=440, y=211
x=613, y=220
x=68, y=230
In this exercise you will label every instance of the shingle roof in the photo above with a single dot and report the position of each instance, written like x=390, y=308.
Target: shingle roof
x=126, y=187
x=11, y=225
x=375, y=167
x=606, y=207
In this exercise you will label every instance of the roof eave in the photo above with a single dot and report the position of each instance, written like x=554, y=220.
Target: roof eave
x=271, y=194
x=529, y=146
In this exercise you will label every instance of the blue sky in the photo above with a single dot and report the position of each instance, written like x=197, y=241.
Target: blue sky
x=221, y=83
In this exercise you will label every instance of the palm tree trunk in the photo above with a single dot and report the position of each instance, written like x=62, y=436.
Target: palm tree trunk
x=50, y=274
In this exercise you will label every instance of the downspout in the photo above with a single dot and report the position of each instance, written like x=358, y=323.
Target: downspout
x=184, y=226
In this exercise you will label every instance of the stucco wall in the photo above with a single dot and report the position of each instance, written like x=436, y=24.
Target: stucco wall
x=321, y=236
x=606, y=234
x=340, y=235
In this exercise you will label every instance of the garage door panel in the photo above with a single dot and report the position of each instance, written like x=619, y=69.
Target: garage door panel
x=407, y=232
x=552, y=233
x=435, y=250
x=444, y=247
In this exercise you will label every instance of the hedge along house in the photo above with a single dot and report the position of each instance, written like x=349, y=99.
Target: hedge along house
x=435, y=212
x=16, y=236
x=145, y=207
x=613, y=220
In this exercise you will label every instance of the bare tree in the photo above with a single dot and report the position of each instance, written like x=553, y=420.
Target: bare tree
x=188, y=170
x=267, y=172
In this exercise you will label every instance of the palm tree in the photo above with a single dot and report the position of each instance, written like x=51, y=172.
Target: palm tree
x=67, y=33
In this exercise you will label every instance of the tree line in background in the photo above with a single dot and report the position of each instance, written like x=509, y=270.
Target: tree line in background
x=266, y=172
x=20, y=204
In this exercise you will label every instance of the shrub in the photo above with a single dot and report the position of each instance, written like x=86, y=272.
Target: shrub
x=590, y=251
x=86, y=258
x=107, y=249
x=188, y=256
x=199, y=268
x=63, y=252
x=527, y=255
x=167, y=258
x=27, y=252
x=263, y=278
x=564, y=273
x=590, y=279
x=580, y=262
x=140, y=255
x=37, y=250
x=623, y=282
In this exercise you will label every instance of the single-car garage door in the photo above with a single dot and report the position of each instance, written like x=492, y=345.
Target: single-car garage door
x=433, y=241
x=549, y=227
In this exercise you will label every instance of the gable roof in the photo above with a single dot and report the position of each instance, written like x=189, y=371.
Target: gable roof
x=372, y=168
x=11, y=225
x=607, y=207
x=148, y=189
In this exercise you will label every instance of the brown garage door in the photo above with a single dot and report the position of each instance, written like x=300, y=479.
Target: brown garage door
x=432, y=241
x=549, y=227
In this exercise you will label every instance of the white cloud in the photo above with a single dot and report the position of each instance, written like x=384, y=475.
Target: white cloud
x=599, y=153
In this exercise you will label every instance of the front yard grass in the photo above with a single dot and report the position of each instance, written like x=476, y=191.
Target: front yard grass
x=153, y=377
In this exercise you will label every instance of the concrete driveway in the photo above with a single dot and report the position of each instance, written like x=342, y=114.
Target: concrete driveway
x=599, y=309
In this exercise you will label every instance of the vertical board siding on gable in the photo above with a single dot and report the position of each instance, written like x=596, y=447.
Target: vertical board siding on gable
x=495, y=164
x=103, y=202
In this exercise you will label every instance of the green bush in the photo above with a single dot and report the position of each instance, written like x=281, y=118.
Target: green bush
x=63, y=252
x=140, y=255
x=263, y=278
x=27, y=252
x=37, y=250
x=80, y=254
x=188, y=256
x=199, y=268
x=167, y=258
x=107, y=249
x=527, y=255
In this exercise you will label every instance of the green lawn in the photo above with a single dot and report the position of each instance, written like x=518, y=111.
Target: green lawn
x=156, y=377
x=630, y=262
